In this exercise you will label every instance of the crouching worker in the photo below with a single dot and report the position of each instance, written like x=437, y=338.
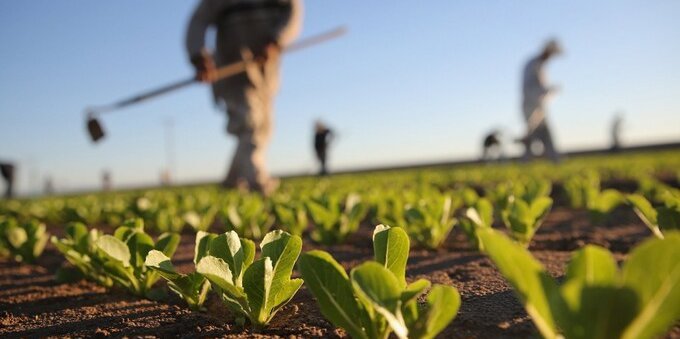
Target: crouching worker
x=261, y=28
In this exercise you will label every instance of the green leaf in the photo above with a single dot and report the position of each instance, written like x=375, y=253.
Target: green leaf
x=592, y=265
x=413, y=290
x=669, y=218
x=257, y=283
x=159, y=261
x=202, y=248
x=653, y=272
x=378, y=287
x=283, y=249
x=167, y=243
x=228, y=247
x=218, y=272
x=16, y=236
x=329, y=284
x=115, y=249
x=391, y=248
x=532, y=284
x=443, y=303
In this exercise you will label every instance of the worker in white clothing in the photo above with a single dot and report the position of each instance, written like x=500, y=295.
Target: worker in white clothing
x=259, y=29
x=536, y=92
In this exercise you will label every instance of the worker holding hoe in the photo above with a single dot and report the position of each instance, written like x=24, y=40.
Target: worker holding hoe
x=246, y=29
x=536, y=93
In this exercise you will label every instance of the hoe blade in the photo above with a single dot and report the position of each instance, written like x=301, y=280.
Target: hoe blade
x=94, y=128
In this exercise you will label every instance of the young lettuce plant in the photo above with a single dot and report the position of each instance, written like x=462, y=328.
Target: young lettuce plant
x=665, y=217
x=292, y=216
x=479, y=215
x=333, y=223
x=600, y=204
x=255, y=290
x=22, y=241
x=523, y=218
x=80, y=249
x=430, y=220
x=201, y=220
x=193, y=287
x=124, y=254
x=248, y=216
x=596, y=300
x=375, y=299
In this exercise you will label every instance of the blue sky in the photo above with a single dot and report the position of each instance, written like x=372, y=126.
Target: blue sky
x=409, y=83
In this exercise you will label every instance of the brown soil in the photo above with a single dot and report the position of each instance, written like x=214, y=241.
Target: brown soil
x=32, y=304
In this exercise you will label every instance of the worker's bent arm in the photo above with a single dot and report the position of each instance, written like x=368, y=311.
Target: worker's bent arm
x=291, y=27
x=204, y=16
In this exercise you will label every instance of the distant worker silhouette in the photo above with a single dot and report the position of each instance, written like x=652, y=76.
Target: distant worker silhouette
x=536, y=92
x=491, y=147
x=260, y=28
x=322, y=138
x=7, y=172
x=616, y=132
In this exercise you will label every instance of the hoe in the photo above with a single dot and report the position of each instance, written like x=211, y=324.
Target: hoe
x=96, y=131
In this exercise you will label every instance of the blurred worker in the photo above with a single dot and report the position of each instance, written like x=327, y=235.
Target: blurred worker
x=492, y=149
x=244, y=29
x=535, y=92
x=106, y=180
x=322, y=138
x=616, y=132
x=7, y=171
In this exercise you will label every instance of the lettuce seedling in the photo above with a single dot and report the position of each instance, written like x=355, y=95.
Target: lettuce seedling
x=665, y=217
x=523, y=218
x=123, y=255
x=375, y=299
x=480, y=215
x=248, y=216
x=596, y=300
x=193, y=287
x=24, y=242
x=255, y=290
x=600, y=204
x=80, y=249
x=333, y=222
x=291, y=216
x=201, y=220
x=430, y=220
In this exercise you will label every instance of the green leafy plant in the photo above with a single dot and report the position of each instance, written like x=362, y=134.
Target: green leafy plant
x=600, y=204
x=334, y=221
x=429, y=221
x=248, y=216
x=193, y=287
x=253, y=289
x=80, y=249
x=22, y=241
x=375, y=299
x=480, y=215
x=665, y=217
x=291, y=217
x=124, y=254
x=201, y=220
x=596, y=300
x=523, y=218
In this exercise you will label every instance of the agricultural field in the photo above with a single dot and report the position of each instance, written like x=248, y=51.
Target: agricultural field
x=589, y=248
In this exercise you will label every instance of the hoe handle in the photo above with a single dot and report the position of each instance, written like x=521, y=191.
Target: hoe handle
x=222, y=72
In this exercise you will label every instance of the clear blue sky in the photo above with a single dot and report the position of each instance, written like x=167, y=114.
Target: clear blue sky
x=411, y=82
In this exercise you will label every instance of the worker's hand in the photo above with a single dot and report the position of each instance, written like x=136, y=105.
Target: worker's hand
x=206, y=71
x=271, y=51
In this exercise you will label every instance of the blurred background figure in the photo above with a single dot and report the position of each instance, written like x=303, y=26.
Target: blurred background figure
x=48, y=188
x=106, y=180
x=7, y=172
x=322, y=138
x=260, y=28
x=616, y=131
x=491, y=147
x=535, y=94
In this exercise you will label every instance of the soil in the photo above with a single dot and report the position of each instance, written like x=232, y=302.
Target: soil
x=33, y=304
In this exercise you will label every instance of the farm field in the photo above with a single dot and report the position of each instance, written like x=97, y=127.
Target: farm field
x=589, y=198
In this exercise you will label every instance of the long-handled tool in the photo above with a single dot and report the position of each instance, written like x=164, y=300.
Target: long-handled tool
x=96, y=131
